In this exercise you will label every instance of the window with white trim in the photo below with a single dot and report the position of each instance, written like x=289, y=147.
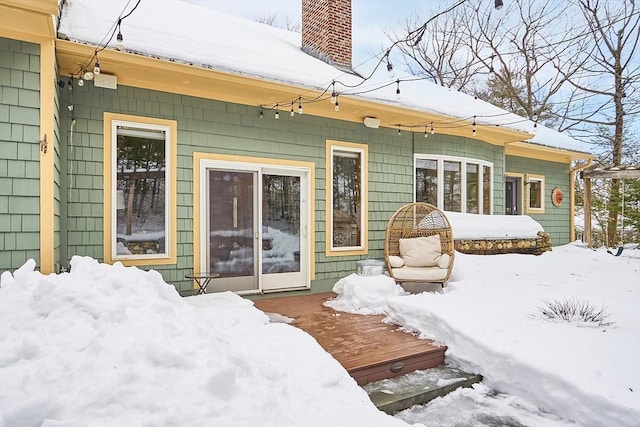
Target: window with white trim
x=139, y=190
x=347, y=207
x=454, y=184
x=535, y=193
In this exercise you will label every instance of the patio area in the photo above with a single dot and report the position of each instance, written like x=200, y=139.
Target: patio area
x=368, y=349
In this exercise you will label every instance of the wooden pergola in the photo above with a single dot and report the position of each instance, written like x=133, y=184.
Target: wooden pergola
x=614, y=172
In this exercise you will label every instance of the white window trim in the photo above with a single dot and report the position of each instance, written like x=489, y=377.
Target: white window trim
x=540, y=179
x=440, y=159
x=362, y=151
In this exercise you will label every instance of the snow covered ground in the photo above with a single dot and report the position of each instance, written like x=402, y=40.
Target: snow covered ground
x=489, y=317
x=112, y=345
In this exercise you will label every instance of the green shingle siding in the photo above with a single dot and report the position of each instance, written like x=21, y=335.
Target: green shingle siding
x=19, y=153
x=218, y=127
x=555, y=220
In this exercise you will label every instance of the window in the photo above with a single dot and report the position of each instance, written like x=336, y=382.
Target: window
x=454, y=184
x=347, y=203
x=140, y=200
x=535, y=193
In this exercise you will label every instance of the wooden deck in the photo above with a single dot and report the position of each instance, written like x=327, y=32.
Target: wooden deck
x=368, y=349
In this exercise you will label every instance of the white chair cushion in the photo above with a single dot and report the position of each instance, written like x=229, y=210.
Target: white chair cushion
x=421, y=251
x=395, y=261
x=444, y=260
x=415, y=274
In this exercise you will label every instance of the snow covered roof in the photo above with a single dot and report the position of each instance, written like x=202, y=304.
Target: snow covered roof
x=190, y=33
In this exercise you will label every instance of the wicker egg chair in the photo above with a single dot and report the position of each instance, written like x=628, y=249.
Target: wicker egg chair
x=418, y=220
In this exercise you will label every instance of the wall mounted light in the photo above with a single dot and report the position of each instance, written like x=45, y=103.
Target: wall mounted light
x=372, y=122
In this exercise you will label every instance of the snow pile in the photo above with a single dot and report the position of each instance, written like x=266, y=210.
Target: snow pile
x=181, y=31
x=473, y=226
x=487, y=318
x=364, y=294
x=111, y=345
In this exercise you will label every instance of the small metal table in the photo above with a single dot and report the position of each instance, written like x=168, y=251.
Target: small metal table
x=202, y=280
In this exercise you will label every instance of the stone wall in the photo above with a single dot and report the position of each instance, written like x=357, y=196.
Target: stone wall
x=535, y=246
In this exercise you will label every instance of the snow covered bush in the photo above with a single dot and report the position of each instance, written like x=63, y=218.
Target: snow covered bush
x=575, y=311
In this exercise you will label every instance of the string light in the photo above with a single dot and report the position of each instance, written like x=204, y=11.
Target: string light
x=291, y=113
x=337, y=105
x=398, y=89
x=277, y=114
x=334, y=95
x=426, y=134
x=80, y=82
x=119, y=38
x=432, y=129
x=392, y=74
x=261, y=113
x=399, y=131
x=473, y=126
x=300, y=111
x=96, y=68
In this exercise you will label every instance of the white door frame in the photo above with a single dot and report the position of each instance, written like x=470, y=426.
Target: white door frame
x=266, y=282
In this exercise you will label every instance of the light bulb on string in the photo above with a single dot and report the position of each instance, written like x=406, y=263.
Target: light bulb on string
x=300, y=111
x=277, y=114
x=398, y=89
x=119, y=38
x=426, y=134
x=80, y=82
x=473, y=126
x=261, y=113
x=392, y=73
x=432, y=129
x=96, y=68
x=399, y=131
x=337, y=104
x=334, y=95
x=292, y=113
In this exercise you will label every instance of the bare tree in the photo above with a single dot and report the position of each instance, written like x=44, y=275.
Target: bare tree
x=440, y=53
x=288, y=23
x=609, y=82
x=522, y=46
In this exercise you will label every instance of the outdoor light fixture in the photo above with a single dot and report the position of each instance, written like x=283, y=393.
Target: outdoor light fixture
x=337, y=105
x=372, y=122
x=96, y=68
x=300, y=110
x=398, y=89
x=80, y=82
x=277, y=114
x=498, y=4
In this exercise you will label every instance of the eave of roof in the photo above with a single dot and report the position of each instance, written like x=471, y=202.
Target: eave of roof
x=29, y=20
x=175, y=77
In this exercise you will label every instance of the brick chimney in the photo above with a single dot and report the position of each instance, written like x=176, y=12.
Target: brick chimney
x=326, y=31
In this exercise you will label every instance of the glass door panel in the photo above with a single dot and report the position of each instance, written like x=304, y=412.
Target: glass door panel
x=512, y=196
x=284, y=227
x=232, y=229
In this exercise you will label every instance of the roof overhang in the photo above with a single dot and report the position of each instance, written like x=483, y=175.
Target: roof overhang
x=174, y=77
x=29, y=20
x=543, y=152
